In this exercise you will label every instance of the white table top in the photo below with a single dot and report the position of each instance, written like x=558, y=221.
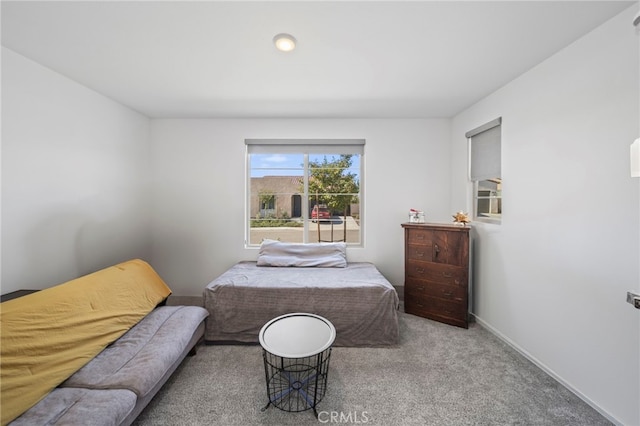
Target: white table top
x=297, y=335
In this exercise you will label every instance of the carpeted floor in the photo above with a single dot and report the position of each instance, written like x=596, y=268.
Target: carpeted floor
x=437, y=375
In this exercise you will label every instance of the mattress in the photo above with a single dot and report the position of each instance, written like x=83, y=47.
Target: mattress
x=358, y=300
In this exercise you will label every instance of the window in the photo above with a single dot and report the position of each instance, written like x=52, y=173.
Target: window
x=304, y=190
x=485, y=170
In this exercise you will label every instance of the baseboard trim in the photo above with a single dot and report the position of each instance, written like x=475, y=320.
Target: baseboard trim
x=546, y=369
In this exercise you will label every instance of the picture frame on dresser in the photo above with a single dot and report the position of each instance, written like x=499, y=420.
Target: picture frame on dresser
x=437, y=273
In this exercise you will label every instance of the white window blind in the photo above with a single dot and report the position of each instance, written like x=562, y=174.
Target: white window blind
x=485, y=149
x=305, y=146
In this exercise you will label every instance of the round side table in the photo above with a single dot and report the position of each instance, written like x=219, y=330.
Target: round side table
x=296, y=349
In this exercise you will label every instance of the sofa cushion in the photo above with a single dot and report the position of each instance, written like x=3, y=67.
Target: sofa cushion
x=74, y=406
x=141, y=357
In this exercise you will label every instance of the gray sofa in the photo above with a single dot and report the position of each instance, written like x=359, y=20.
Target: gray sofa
x=94, y=350
x=115, y=386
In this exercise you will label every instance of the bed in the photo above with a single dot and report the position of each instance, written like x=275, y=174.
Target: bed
x=357, y=299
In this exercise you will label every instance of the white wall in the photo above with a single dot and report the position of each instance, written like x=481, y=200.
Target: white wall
x=199, y=181
x=552, y=279
x=74, y=178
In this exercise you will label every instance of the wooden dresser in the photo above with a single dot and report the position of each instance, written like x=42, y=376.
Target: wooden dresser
x=436, y=272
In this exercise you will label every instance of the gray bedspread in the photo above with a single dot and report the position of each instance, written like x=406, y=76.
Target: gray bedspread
x=358, y=300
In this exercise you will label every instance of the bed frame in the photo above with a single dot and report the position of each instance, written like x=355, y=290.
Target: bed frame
x=357, y=299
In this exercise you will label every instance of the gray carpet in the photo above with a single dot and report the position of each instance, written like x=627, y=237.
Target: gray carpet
x=437, y=375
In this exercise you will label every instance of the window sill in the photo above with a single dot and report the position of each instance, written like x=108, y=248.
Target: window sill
x=490, y=220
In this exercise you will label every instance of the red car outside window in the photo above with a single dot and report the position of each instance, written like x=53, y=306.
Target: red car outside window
x=320, y=213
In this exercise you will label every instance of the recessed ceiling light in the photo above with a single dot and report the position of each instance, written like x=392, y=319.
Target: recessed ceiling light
x=284, y=42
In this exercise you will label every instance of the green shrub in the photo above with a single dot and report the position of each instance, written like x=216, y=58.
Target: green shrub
x=272, y=222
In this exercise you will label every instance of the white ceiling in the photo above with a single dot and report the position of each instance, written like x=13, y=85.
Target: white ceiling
x=353, y=59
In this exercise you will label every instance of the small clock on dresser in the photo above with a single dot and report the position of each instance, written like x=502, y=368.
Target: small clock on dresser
x=436, y=272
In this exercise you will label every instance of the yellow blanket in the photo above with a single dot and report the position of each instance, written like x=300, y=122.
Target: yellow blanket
x=47, y=336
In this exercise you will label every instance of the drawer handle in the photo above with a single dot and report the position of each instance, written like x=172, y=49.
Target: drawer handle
x=436, y=249
x=421, y=288
x=447, y=275
x=448, y=293
x=419, y=236
x=420, y=270
x=419, y=254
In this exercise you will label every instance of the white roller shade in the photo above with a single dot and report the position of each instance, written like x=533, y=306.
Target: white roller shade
x=485, y=151
x=305, y=146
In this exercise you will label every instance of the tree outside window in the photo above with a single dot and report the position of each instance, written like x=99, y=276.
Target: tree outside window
x=331, y=183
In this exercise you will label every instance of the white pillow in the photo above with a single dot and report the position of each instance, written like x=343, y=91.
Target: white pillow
x=327, y=255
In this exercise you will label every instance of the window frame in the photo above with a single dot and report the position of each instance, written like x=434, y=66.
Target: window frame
x=490, y=170
x=305, y=147
x=477, y=197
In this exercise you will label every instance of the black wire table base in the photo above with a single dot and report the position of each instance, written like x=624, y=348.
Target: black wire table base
x=296, y=384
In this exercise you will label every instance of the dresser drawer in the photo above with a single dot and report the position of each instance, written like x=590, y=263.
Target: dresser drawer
x=419, y=252
x=420, y=237
x=419, y=289
x=444, y=274
x=438, y=309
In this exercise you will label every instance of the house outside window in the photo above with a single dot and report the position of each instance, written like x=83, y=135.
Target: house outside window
x=485, y=170
x=304, y=191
